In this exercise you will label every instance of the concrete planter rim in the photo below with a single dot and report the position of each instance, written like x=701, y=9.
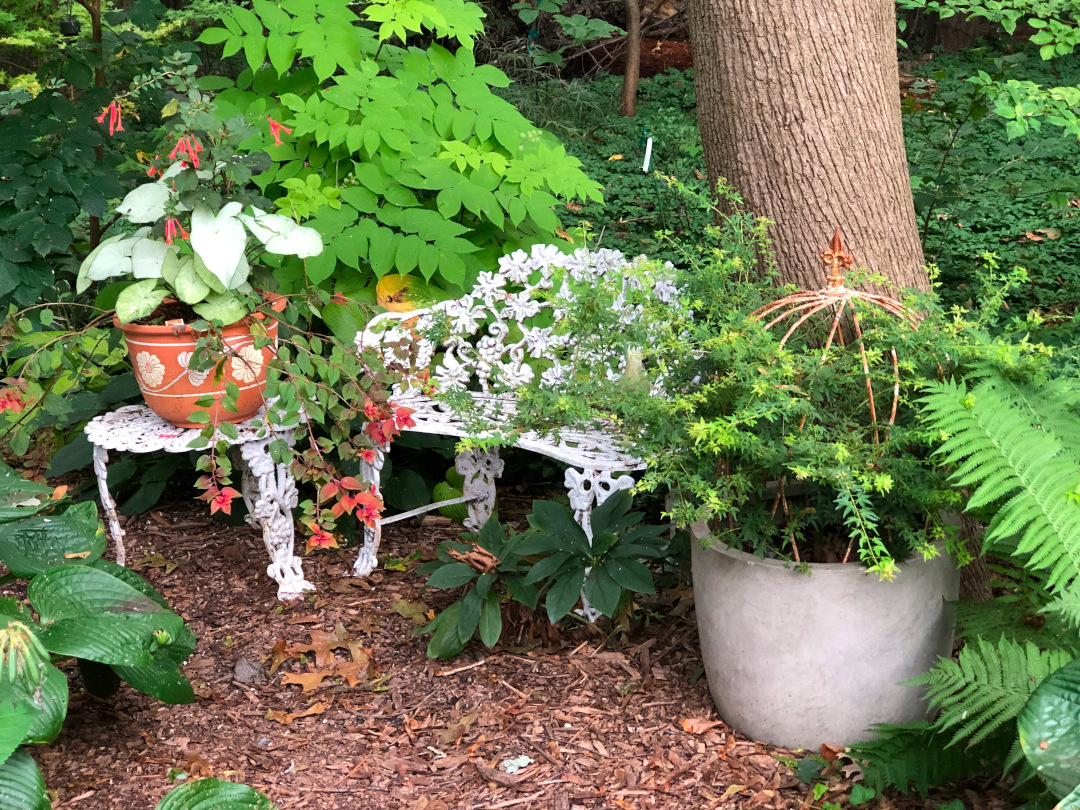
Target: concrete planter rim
x=699, y=535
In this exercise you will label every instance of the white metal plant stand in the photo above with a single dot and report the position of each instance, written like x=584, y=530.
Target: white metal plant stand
x=268, y=488
x=491, y=333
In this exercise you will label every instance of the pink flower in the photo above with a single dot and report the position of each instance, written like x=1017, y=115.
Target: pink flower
x=403, y=416
x=11, y=401
x=368, y=455
x=276, y=129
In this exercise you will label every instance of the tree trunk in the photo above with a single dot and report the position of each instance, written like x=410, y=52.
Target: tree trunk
x=799, y=110
x=633, y=59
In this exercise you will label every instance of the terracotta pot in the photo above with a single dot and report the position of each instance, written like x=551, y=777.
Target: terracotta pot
x=160, y=355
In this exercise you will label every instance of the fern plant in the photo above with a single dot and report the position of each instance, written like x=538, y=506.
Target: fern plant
x=1014, y=441
x=986, y=686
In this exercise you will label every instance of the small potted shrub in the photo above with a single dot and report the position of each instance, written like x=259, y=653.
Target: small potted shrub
x=191, y=287
x=821, y=566
x=200, y=227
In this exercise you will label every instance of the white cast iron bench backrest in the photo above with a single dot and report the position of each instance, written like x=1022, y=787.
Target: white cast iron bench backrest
x=487, y=351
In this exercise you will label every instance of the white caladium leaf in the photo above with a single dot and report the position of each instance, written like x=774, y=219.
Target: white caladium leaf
x=227, y=308
x=180, y=275
x=148, y=255
x=139, y=300
x=283, y=236
x=220, y=242
x=145, y=203
x=106, y=260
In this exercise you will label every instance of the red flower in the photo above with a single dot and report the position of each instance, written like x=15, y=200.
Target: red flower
x=320, y=538
x=187, y=145
x=113, y=111
x=382, y=432
x=222, y=499
x=339, y=298
x=11, y=401
x=368, y=454
x=276, y=129
x=172, y=227
x=371, y=410
x=403, y=417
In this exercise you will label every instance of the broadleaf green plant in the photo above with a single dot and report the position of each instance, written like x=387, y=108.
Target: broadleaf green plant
x=607, y=568
x=491, y=565
x=419, y=167
x=108, y=618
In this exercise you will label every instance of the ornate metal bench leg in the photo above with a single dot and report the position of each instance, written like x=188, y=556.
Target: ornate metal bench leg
x=270, y=493
x=101, y=459
x=587, y=489
x=481, y=469
x=367, y=560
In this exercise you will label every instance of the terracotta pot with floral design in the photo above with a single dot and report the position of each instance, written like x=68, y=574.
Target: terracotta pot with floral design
x=161, y=353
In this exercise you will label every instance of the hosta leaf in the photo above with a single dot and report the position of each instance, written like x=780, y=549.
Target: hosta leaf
x=15, y=722
x=213, y=794
x=22, y=786
x=491, y=620
x=30, y=546
x=19, y=497
x=452, y=576
x=88, y=613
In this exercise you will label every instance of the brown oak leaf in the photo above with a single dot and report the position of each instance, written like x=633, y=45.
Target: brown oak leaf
x=698, y=725
x=287, y=717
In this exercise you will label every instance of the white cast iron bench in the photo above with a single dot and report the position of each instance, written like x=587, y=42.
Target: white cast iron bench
x=486, y=352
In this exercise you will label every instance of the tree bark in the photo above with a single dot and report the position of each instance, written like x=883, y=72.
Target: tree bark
x=633, y=59
x=799, y=110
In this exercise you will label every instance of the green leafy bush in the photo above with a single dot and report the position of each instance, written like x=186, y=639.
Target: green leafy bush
x=409, y=160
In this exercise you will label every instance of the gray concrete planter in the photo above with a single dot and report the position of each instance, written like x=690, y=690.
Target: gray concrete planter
x=798, y=660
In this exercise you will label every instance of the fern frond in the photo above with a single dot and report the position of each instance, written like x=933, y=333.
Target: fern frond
x=1017, y=620
x=915, y=756
x=1000, y=454
x=1051, y=406
x=986, y=686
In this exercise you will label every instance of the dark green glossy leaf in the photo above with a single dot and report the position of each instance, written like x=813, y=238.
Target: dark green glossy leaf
x=491, y=620
x=213, y=794
x=30, y=546
x=602, y=591
x=546, y=567
x=1050, y=729
x=49, y=705
x=605, y=516
x=15, y=722
x=564, y=594
x=631, y=574
x=453, y=575
x=22, y=786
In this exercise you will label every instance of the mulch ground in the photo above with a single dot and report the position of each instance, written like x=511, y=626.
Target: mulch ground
x=330, y=702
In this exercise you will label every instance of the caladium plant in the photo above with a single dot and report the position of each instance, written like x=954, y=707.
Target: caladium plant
x=207, y=267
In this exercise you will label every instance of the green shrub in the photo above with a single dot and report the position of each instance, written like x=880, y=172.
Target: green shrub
x=409, y=161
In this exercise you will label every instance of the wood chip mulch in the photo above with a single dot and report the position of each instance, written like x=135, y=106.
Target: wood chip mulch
x=330, y=702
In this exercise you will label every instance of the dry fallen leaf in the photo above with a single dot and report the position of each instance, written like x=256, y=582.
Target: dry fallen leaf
x=155, y=560
x=354, y=673
x=500, y=778
x=698, y=725
x=287, y=717
x=413, y=611
x=457, y=729
x=308, y=681
x=731, y=791
x=831, y=753
x=279, y=654
x=615, y=157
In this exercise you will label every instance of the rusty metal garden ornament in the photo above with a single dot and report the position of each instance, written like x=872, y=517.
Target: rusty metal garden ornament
x=840, y=300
